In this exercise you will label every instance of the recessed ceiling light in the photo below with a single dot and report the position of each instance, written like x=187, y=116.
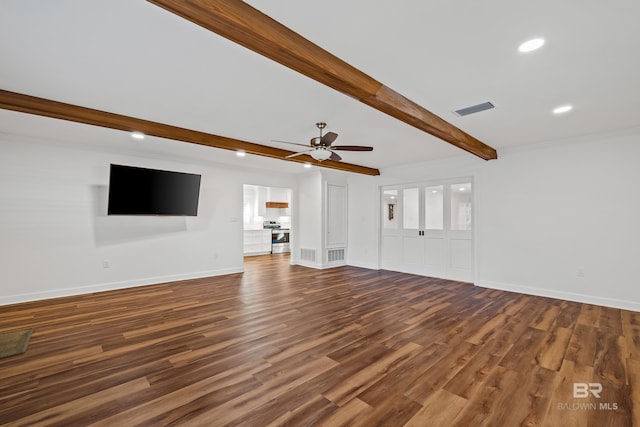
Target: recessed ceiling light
x=461, y=188
x=307, y=165
x=137, y=135
x=241, y=153
x=562, y=109
x=531, y=45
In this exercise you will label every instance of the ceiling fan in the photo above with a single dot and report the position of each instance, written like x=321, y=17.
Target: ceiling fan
x=320, y=147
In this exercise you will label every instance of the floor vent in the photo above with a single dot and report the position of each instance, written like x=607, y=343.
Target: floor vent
x=474, y=109
x=308, y=255
x=334, y=255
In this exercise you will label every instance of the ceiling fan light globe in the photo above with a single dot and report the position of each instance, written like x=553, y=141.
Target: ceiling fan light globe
x=321, y=154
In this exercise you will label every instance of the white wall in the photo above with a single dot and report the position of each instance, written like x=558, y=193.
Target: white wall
x=364, y=221
x=308, y=211
x=311, y=213
x=544, y=214
x=56, y=236
x=541, y=213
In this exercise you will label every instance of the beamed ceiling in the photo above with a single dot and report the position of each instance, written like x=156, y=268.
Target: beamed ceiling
x=238, y=75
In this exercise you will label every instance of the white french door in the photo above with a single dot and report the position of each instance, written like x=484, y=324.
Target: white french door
x=427, y=229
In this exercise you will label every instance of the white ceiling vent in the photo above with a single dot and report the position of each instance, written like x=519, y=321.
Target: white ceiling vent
x=474, y=109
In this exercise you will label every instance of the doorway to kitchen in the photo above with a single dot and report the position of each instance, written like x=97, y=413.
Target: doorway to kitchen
x=266, y=220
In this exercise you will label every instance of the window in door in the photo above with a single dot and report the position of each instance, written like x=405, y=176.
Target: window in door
x=461, y=199
x=434, y=207
x=411, y=208
x=390, y=209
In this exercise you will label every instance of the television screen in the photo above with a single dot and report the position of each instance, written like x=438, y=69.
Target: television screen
x=140, y=191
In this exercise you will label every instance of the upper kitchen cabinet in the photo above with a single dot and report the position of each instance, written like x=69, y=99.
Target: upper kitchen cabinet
x=261, y=200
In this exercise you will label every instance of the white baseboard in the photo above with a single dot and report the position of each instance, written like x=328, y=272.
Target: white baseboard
x=256, y=253
x=318, y=266
x=304, y=263
x=569, y=296
x=101, y=287
x=367, y=265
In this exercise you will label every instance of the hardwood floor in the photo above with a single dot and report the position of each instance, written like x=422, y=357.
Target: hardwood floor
x=286, y=345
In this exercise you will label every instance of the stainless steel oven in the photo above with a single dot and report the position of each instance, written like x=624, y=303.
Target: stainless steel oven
x=280, y=241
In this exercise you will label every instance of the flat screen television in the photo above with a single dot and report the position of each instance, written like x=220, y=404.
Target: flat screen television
x=140, y=191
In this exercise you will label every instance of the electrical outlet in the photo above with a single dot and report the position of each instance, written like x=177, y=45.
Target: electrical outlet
x=580, y=272
x=106, y=264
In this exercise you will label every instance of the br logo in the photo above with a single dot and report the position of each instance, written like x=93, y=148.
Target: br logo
x=583, y=390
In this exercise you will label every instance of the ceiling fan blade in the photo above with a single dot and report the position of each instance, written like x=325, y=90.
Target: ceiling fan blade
x=287, y=142
x=328, y=138
x=335, y=156
x=352, y=148
x=297, y=154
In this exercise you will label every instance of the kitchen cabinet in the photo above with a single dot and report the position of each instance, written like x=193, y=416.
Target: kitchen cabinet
x=257, y=242
x=265, y=203
x=261, y=201
x=277, y=205
x=278, y=194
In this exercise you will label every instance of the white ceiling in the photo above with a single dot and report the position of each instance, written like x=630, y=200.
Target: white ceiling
x=136, y=59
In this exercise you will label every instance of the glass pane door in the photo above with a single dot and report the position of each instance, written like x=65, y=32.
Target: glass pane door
x=461, y=198
x=427, y=229
x=411, y=208
x=434, y=207
x=390, y=220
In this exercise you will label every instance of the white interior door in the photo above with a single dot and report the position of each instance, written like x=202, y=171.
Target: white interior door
x=411, y=226
x=434, y=230
x=427, y=229
x=460, y=231
x=336, y=216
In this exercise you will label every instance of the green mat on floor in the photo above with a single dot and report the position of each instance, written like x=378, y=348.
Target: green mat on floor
x=15, y=342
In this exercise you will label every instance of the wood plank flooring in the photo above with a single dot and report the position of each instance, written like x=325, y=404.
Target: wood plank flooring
x=283, y=345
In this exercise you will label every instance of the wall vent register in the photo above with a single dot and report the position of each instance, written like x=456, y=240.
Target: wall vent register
x=308, y=254
x=334, y=255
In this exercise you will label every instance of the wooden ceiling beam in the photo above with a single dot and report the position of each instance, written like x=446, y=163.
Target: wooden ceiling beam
x=74, y=113
x=247, y=26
